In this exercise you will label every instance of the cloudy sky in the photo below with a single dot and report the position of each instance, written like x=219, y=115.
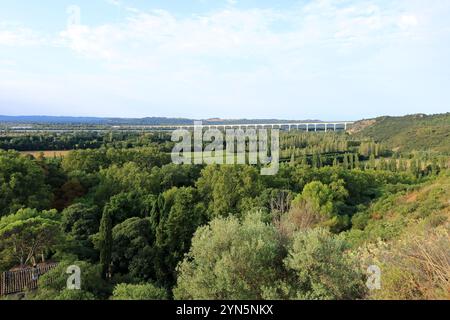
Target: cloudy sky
x=321, y=59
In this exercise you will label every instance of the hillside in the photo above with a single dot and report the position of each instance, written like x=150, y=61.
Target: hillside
x=408, y=133
x=406, y=234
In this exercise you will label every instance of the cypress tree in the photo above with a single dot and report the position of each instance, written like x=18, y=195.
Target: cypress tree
x=305, y=160
x=393, y=165
x=105, y=244
x=372, y=164
x=434, y=166
x=419, y=166
x=383, y=164
x=345, y=161
x=292, y=159
x=413, y=167
x=357, y=166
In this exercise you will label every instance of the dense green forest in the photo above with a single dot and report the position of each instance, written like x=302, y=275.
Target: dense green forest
x=140, y=227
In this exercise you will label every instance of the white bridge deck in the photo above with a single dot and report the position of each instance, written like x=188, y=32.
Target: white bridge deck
x=306, y=126
x=303, y=126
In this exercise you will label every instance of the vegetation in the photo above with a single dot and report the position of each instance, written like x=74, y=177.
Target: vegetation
x=410, y=133
x=230, y=259
x=138, y=292
x=140, y=227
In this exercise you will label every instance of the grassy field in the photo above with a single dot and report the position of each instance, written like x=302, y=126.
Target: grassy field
x=47, y=154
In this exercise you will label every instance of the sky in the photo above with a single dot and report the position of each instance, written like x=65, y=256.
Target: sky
x=287, y=59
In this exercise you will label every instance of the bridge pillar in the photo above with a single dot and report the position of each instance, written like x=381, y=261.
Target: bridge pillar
x=315, y=127
x=326, y=127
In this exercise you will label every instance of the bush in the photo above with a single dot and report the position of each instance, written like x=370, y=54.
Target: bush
x=53, y=285
x=230, y=259
x=237, y=260
x=417, y=267
x=75, y=295
x=146, y=291
x=322, y=267
x=360, y=220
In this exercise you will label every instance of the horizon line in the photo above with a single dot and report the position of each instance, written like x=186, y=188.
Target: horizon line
x=198, y=119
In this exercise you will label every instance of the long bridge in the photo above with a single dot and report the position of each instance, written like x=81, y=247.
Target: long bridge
x=305, y=126
x=285, y=126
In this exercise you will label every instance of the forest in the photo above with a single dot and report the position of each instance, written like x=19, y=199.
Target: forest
x=142, y=228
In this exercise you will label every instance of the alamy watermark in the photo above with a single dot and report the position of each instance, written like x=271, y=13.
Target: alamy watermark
x=250, y=146
x=374, y=279
x=74, y=280
x=74, y=16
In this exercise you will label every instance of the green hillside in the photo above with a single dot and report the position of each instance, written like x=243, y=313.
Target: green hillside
x=407, y=234
x=409, y=133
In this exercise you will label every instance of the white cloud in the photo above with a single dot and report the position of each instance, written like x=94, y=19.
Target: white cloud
x=15, y=35
x=91, y=42
x=234, y=33
x=116, y=3
x=408, y=21
x=7, y=62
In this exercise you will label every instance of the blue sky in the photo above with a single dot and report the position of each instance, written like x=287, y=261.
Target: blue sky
x=315, y=59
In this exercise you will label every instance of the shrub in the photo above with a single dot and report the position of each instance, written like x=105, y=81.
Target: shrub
x=417, y=267
x=146, y=291
x=230, y=259
x=323, y=268
x=53, y=285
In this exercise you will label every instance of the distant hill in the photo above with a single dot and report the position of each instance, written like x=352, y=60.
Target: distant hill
x=50, y=120
x=130, y=121
x=408, y=133
x=91, y=120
